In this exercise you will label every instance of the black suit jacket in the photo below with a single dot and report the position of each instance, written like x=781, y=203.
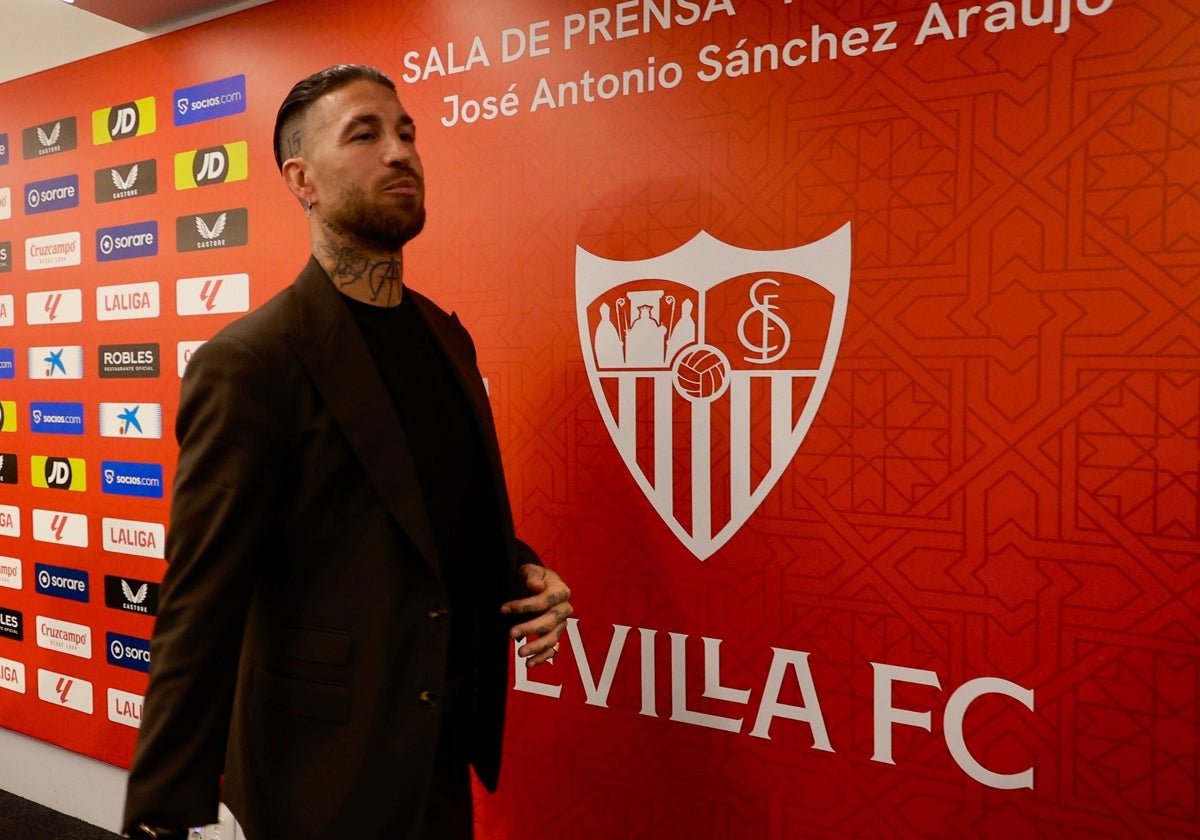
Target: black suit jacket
x=301, y=640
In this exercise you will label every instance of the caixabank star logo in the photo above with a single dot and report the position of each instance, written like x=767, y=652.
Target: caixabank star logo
x=708, y=365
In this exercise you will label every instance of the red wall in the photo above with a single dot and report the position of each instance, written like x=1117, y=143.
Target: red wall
x=956, y=520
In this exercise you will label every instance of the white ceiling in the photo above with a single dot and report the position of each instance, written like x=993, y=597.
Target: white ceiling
x=39, y=34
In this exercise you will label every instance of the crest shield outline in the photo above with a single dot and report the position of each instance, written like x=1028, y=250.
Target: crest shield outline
x=691, y=368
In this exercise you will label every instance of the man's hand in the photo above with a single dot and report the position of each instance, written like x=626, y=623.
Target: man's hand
x=549, y=607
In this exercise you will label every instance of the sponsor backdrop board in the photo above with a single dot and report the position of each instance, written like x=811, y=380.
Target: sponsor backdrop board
x=844, y=356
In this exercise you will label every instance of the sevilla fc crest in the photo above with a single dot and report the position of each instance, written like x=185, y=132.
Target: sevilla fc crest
x=708, y=365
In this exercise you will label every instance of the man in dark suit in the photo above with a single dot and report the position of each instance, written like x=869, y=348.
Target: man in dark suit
x=344, y=579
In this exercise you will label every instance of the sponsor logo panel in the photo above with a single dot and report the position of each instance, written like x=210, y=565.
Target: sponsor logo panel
x=58, y=473
x=220, y=229
x=3, y=149
x=129, y=361
x=7, y=308
x=49, y=138
x=64, y=636
x=55, y=250
x=127, y=536
x=12, y=675
x=61, y=306
x=12, y=624
x=64, y=690
x=9, y=473
x=210, y=100
x=184, y=351
x=56, y=526
x=53, y=194
x=10, y=521
x=120, y=122
x=8, y=416
x=211, y=165
x=5, y=257
x=128, y=478
x=126, y=180
x=10, y=573
x=5, y=203
x=56, y=418
x=125, y=708
x=131, y=420
x=8, y=363
x=128, y=651
x=61, y=582
x=56, y=362
x=127, y=242
x=127, y=301
x=212, y=295
x=131, y=594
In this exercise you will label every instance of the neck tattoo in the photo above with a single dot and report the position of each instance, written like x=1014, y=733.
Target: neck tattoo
x=365, y=275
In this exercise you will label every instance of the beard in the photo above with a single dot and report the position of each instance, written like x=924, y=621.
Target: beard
x=381, y=228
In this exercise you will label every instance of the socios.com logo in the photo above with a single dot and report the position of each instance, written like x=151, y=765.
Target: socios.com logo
x=125, y=478
x=60, y=418
x=126, y=242
x=210, y=100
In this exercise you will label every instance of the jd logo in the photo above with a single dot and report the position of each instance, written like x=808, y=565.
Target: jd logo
x=123, y=121
x=213, y=165
x=708, y=365
x=58, y=472
x=210, y=166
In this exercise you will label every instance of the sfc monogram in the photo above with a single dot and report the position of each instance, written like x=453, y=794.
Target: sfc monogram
x=708, y=365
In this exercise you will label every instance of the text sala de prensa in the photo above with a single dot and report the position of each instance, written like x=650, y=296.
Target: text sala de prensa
x=716, y=61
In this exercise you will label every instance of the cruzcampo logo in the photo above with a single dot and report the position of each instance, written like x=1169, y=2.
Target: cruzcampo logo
x=214, y=165
x=120, y=122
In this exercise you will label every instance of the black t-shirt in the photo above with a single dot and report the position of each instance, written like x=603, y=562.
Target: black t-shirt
x=447, y=450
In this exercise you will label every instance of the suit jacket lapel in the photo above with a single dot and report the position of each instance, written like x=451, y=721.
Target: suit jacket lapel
x=461, y=355
x=331, y=348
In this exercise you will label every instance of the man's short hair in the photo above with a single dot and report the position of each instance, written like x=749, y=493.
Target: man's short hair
x=308, y=90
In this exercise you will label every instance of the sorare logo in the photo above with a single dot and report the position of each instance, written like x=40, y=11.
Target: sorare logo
x=56, y=418
x=52, y=194
x=61, y=582
x=3, y=149
x=126, y=180
x=210, y=100
x=128, y=478
x=127, y=242
x=120, y=122
x=128, y=651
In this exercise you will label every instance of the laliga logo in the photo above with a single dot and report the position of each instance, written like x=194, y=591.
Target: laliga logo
x=708, y=365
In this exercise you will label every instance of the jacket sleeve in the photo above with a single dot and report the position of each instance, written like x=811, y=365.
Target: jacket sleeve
x=224, y=498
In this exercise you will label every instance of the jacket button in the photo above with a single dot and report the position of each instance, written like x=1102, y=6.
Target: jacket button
x=429, y=699
x=438, y=612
